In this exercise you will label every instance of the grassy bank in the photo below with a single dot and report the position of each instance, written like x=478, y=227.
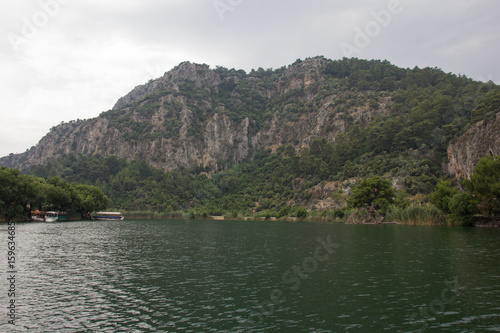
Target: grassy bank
x=417, y=214
x=422, y=214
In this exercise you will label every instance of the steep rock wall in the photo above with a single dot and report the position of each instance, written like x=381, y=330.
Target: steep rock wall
x=207, y=134
x=481, y=139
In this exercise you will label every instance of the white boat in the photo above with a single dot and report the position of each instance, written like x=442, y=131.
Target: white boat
x=108, y=216
x=44, y=216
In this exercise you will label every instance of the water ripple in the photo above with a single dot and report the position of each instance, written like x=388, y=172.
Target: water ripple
x=206, y=276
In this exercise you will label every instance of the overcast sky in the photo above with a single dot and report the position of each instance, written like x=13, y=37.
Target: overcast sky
x=72, y=59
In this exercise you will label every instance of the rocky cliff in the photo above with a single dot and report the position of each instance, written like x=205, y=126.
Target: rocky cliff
x=481, y=139
x=200, y=75
x=196, y=116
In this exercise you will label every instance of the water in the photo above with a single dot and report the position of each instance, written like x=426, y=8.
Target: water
x=226, y=276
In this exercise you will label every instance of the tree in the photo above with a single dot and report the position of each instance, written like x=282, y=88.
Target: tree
x=301, y=213
x=57, y=197
x=17, y=192
x=65, y=197
x=488, y=106
x=21, y=193
x=463, y=206
x=93, y=199
x=284, y=211
x=443, y=194
x=484, y=184
x=289, y=151
x=374, y=191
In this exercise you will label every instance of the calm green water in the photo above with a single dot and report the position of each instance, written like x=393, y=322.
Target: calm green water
x=226, y=276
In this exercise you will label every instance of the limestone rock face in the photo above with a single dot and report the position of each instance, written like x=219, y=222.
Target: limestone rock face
x=177, y=121
x=481, y=139
x=200, y=75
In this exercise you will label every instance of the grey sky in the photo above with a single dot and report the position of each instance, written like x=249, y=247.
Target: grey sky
x=68, y=59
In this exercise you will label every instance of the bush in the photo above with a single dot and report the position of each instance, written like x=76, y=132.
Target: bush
x=283, y=212
x=338, y=213
x=301, y=213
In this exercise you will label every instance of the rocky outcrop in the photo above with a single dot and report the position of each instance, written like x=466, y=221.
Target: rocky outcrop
x=222, y=140
x=481, y=139
x=176, y=122
x=200, y=75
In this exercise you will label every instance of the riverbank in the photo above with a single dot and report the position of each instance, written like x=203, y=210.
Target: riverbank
x=426, y=219
x=408, y=219
x=489, y=223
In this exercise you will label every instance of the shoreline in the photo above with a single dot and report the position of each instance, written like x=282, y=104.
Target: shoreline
x=483, y=223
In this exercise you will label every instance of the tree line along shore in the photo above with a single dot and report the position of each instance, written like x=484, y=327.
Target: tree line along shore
x=372, y=200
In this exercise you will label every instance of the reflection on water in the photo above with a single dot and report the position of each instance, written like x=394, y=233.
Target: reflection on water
x=226, y=276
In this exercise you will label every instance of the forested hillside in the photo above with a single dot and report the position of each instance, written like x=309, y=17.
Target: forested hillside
x=224, y=141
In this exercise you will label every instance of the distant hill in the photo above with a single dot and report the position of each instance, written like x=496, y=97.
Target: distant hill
x=340, y=119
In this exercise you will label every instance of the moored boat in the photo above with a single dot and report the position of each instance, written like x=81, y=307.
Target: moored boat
x=108, y=216
x=62, y=216
x=44, y=216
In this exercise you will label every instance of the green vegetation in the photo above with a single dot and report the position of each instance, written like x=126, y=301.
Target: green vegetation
x=428, y=106
x=481, y=195
x=419, y=214
x=484, y=185
x=22, y=193
x=375, y=192
x=396, y=125
x=266, y=186
x=443, y=195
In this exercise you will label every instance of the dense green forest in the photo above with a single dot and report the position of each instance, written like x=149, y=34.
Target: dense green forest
x=406, y=144
x=22, y=193
x=271, y=185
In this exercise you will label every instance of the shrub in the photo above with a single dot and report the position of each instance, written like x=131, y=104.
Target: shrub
x=283, y=212
x=301, y=213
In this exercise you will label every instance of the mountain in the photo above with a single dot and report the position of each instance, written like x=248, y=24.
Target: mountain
x=197, y=116
x=321, y=122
